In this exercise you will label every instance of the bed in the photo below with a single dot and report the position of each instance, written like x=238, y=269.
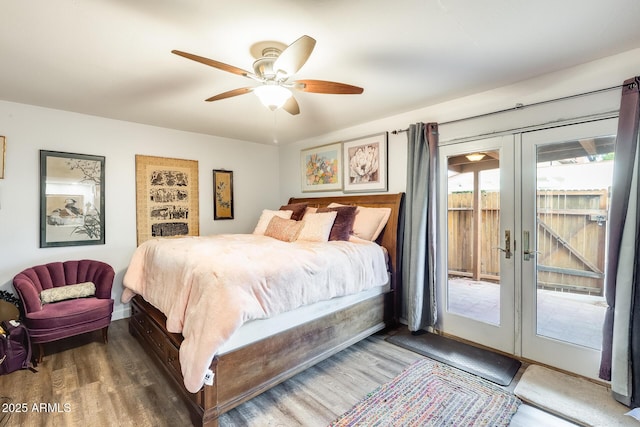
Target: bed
x=263, y=353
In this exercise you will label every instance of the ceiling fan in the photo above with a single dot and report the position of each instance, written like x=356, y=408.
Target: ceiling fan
x=274, y=66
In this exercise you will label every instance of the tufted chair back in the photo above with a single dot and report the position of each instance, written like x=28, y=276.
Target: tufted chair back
x=30, y=282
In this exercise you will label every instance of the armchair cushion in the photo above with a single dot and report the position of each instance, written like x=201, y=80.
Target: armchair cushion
x=70, y=317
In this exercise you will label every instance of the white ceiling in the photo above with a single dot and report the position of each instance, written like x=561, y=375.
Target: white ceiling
x=111, y=58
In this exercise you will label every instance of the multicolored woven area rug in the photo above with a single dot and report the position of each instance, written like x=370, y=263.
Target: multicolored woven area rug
x=430, y=393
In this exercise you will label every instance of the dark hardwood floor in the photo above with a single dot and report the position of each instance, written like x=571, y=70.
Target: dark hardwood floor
x=83, y=382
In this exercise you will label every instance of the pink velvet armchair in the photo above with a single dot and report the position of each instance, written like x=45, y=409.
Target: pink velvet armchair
x=68, y=317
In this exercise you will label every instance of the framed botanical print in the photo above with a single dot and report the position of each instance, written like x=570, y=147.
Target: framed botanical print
x=365, y=164
x=71, y=199
x=166, y=197
x=321, y=168
x=223, y=194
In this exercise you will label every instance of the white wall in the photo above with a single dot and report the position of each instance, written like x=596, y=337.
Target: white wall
x=588, y=77
x=29, y=129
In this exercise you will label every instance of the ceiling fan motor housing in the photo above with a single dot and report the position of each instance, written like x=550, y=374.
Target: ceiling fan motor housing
x=263, y=67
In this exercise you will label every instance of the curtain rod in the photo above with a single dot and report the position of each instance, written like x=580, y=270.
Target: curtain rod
x=519, y=106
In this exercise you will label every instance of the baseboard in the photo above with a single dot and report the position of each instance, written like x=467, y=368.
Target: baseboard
x=122, y=312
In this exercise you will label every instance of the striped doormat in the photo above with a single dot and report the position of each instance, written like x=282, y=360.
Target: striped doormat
x=429, y=393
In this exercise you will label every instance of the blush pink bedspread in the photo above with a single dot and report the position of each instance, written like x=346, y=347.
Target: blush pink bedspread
x=209, y=286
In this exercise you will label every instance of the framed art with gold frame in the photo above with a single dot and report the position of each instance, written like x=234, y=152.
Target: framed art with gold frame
x=223, y=194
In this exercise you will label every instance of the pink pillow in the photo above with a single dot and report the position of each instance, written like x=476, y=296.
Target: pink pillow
x=317, y=227
x=266, y=216
x=369, y=222
x=283, y=229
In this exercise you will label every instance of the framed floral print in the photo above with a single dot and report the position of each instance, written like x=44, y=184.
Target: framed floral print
x=71, y=199
x=365, y=164
x=223, y=194
x=321, y=168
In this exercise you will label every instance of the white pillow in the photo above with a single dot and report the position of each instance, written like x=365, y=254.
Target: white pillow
x=317, y=226
x=369, y=222
x=266, y=216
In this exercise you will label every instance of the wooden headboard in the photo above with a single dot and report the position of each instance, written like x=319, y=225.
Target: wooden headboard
x=391, y=236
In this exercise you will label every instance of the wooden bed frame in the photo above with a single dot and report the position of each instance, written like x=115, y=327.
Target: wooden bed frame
x=248, y=371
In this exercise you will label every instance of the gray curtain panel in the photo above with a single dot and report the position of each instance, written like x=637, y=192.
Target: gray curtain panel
x=620, y=361
x=418, y=263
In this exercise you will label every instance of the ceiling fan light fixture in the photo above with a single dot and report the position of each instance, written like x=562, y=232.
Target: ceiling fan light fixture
x=274, y=66
x=272, y=96
x=475, y=157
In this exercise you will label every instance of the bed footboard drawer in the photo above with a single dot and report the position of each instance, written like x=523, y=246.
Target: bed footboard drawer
x=165, y=346
x=155, y=337
x=149, y=332
x=138, y=321
x=172, y=359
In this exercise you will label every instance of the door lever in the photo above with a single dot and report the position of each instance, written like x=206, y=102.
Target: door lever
x=526, y=253
x=507, y=244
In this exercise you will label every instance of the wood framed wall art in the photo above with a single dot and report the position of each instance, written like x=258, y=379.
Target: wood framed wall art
x=365, y=164
x=166, y=197
x=71, y=199
x=321, y=168
x=223, y=194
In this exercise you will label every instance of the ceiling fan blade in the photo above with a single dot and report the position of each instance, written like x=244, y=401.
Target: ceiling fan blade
x=294, y=56
x=216, y=64
x=229, y=94
x=322, y=86
x=291, y=106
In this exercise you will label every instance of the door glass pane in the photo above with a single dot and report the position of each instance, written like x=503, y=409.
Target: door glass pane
x=473, y=233
x=573, y=185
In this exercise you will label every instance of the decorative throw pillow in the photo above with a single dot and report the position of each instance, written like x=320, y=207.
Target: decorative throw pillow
x=60, y=293
x=266, y=216
x=298, y=210
x=369, y=222
x=286, y=230
x=343, y=225
x=317, y=227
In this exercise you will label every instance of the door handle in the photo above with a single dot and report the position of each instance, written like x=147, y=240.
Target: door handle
x=527, y=254
x=507, y=244
x=530, y=254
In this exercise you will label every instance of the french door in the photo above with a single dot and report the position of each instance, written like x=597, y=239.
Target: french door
x=525, y=229
x=476, y=225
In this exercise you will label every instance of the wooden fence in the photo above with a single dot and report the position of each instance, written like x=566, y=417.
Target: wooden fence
x=571, y=238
